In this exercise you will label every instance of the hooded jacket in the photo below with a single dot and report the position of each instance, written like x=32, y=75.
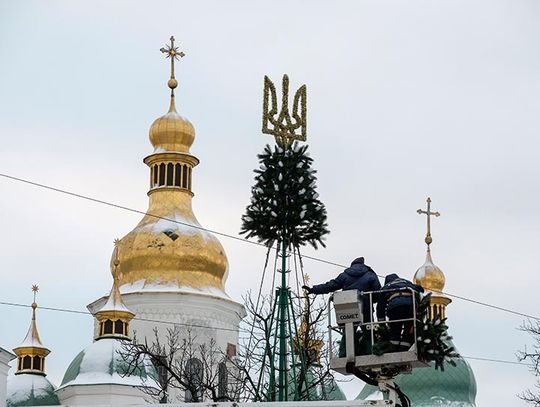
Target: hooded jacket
x=357, y=277
x=394, y=282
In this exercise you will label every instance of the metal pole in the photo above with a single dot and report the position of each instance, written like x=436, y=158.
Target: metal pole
x=282, y=379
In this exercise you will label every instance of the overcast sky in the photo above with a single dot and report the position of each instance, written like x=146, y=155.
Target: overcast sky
x=405, y=99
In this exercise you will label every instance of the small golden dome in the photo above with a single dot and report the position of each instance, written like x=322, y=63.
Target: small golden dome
x=429, y=276
x=172, y=132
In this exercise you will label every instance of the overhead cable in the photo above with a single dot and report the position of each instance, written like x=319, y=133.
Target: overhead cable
x=229, y=236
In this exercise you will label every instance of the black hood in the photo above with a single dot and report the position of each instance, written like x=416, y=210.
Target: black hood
x=358, y=260
x=358, y=268
x=390, y=277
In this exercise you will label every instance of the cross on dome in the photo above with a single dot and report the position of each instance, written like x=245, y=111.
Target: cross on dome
x=174, y=54
x=429, y=214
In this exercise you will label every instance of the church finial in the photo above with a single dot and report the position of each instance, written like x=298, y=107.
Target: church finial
x=33, y=333
x=116, y=262
x=174, y=54
x=431, y=277
x=31, y=352
x=428, y=213
x=114, y=316
x=35, y=289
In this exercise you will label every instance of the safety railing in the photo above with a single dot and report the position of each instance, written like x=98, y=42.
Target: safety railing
x=369, y=326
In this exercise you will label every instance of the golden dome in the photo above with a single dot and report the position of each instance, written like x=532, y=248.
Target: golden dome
x=172, y=132
x=168, y=249
x=161, y=254
x=429, y=276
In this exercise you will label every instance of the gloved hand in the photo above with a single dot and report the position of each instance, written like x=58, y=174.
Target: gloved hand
x=307, y=288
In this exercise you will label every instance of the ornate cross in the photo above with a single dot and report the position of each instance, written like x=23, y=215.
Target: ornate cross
x=35, y=289
x=428, y=213
x=174, y=54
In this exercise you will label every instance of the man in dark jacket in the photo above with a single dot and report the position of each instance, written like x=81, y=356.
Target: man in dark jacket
x=396, y=302
x=357, y=277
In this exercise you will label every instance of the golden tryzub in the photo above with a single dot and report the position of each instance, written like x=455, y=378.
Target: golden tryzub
x=284, y=126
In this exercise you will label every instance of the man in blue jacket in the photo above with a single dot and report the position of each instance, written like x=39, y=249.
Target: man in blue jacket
x=358, y=276
x=396, y=302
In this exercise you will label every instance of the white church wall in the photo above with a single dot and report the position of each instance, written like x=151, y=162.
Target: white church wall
x=206, y=316
x=102, y=394
x=5, y=358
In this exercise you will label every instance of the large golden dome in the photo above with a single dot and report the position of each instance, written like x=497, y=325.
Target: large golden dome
x=168, y=249
x=160, y=253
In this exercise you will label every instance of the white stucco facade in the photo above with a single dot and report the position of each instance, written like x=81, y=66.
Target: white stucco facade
x=207, y=316
x=101, y=394
x=5, y=358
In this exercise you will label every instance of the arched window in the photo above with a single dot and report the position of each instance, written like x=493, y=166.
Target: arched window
x=184, y=176
x=177, y=174
x=119, y=327
x=27, y=362
x=161, y=364
x=108, y=327
x=170, y=174
x=223, y=381
x=194, y=378
x=161, y=174
x=155, y=173
x=189, y=178
x=36, y=363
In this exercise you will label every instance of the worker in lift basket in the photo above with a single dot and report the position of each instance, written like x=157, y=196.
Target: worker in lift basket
x=358, y=276
x=395, y=303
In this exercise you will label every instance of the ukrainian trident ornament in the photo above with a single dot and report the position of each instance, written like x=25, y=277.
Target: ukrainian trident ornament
x=285, y=126
x=284, y=205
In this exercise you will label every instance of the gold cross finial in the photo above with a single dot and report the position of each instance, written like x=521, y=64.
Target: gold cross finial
x=428, y=213
x=174, y=54
x=116, y=261
x=35, y=289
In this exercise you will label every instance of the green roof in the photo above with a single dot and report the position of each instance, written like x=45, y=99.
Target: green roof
x=102, y=363
x=29, y=389
x=430, y=387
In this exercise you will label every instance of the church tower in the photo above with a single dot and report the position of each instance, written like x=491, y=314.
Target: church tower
x=429, y=276
x=100, y=374
x=29, y=386
x=429, y=387
x=172, y=270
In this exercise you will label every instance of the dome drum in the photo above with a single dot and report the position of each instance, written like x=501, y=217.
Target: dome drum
x=171, y=171
x=171, y=156
x=31, y=360
x=113, y=324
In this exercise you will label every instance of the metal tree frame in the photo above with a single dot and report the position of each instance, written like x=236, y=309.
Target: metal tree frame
x=286, y=129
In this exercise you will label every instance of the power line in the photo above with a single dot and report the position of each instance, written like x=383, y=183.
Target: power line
x=508, y=362
x=126, y=208
x=71, y=311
